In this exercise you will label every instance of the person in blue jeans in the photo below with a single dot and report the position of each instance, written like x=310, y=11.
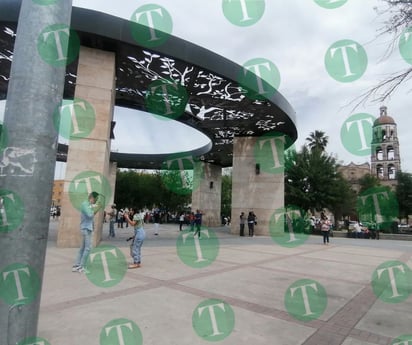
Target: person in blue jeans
x=87, y=211
x=198, y=222
x=112, y=220
x=139, y=236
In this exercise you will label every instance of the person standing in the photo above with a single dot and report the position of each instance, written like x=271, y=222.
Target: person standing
x=198, y=222
x=242, y=223
x=88, y=209
x=181, y=221
x=156, y=218
x=358, y=230
x=251, y=221
x=139, y=236
x=325, y=228
x=192, y=221
x=112, y=220
x=120, y=218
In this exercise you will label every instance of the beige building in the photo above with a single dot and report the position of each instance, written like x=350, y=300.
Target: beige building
x=354, y=172
x=57, y=192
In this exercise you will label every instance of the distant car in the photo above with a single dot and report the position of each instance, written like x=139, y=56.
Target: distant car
x=404, y=228
x=351, y=225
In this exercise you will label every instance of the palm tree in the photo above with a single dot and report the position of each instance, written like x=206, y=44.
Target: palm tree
x=317, y=141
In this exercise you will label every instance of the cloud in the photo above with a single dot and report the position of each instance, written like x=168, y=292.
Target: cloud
x=295, y=36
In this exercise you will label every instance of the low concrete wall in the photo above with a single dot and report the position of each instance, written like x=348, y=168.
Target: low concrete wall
x=382, y=236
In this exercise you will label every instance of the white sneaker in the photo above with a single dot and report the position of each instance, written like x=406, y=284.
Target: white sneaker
x=83, y=270
x=75, y=268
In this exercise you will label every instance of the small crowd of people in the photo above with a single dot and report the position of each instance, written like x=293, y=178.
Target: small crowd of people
x=195, y=220
x=250, y=220
x=119, y=217
x=360, y=231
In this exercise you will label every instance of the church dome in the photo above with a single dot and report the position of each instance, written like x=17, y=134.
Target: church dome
x=384, y=118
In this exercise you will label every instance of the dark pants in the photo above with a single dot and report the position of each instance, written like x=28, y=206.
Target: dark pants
x=251, y=227
x=242, y=229
x=325, y=236
x=197, y=232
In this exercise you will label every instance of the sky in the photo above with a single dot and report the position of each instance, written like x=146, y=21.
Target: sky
x=295, y=36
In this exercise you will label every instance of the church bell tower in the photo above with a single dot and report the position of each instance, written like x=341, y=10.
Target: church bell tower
x=385, y=158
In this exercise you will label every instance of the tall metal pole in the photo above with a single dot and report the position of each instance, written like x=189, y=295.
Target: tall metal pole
x=28, y=160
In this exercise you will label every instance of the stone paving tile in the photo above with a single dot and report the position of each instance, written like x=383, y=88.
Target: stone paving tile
x=353, y=341
x=162, y=296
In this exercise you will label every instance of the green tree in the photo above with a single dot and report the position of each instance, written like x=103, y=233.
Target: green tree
x=343, y=198
x=308, y=175
x=312, y=181
x=317, y=140
x=404, y=195
x=146, y=190
x=368, y=181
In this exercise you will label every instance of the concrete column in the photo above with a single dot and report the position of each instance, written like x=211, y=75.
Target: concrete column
x=207, y=195
x=95, y=84
x=112, y=181
x=260, y=192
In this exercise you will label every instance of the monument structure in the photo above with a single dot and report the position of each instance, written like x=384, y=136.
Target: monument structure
x=248, y=122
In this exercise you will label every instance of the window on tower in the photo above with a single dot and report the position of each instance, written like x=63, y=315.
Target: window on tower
x=379, y=172
x=391, y=172
x=379, y=153
x=391, y=153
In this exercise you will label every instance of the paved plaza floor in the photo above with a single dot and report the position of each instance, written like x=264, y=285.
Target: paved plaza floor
x=230, y=290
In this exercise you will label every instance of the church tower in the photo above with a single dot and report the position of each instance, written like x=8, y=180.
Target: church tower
x=385, y=158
